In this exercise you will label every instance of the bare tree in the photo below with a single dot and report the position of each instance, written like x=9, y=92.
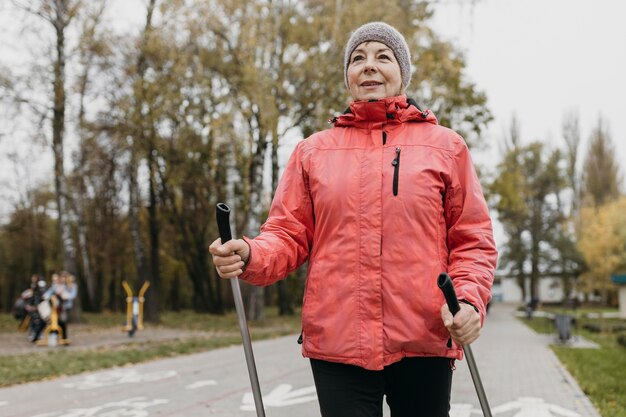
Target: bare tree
x=59, y=14
x=141, y=140
x=88, y=49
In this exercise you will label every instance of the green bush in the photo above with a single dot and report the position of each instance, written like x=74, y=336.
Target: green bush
x=592, y=327
x=599, y=327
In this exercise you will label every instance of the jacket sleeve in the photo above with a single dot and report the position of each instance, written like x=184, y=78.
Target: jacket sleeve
x=287, y=234
x=472, y=251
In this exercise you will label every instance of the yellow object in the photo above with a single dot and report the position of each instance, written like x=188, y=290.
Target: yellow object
x=129, y=306
x=53, y=326
x=142, y=291
x=24, y=324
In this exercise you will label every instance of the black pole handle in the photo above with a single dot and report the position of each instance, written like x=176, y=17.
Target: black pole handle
x=445, y=285
x=222, y=214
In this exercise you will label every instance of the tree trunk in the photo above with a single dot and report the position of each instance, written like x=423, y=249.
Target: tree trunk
x=134, y=222
x=58, y=132
x=256, y=299
x=151, y=304
x=143, y=268
x=535, y=253
x=80, y=209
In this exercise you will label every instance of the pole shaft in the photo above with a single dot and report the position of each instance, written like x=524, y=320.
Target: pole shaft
x=222, y=216
x=247, y=347
x=480, y=391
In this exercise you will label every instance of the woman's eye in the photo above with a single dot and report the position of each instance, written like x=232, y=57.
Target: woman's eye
x=383, y=56
x=357, y=58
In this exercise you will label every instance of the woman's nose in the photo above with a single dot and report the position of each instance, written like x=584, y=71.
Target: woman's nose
x=370, y=67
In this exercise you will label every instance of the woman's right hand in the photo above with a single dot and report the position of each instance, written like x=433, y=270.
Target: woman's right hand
x=230, y=258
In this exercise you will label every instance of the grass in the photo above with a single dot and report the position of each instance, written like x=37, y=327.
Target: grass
x=599, y=372
x=580, y=311
x=7, y=323
x=220, y=331
x=540, y=325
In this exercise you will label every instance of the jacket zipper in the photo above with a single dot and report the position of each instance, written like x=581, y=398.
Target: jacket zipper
x=396, y=171
x=381, y=237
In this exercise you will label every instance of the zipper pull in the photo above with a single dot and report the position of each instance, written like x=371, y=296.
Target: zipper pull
x=396, y=160
x=396, y=171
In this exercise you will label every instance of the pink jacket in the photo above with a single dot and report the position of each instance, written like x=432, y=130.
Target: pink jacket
x=380, y=205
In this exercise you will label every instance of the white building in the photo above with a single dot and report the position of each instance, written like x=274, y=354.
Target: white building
x=506, y=289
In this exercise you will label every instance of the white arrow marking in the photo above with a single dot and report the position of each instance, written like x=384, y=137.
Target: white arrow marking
x=462, y=410
x=534, y=407
x=200, y=384
x=281, y=396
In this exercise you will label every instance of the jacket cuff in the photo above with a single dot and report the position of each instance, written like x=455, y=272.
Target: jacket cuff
x=467, y=302
x=246, y=268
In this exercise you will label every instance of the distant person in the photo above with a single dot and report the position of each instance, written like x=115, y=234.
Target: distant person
x=379, y=204
x=37, y=310
x=64, y=288
x=55, y=285
x=19, y=309
x=70, y=291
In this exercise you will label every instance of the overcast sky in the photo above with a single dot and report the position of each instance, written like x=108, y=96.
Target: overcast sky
x=535, y=58
x=541, y=58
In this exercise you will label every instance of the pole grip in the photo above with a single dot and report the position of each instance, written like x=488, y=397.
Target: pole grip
x=445, y=285
x=222, y=214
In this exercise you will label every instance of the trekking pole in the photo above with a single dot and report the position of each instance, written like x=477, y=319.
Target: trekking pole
x=445, y=284
x=223, y=224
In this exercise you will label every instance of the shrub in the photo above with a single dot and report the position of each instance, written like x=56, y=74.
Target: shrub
x=594, y=328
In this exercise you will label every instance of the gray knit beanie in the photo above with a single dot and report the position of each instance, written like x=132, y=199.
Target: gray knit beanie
x=383, y=33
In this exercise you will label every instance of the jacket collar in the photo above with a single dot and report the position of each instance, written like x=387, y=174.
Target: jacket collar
x=396, y=109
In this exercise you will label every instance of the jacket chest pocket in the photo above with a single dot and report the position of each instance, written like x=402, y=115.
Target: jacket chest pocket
x=415, y=175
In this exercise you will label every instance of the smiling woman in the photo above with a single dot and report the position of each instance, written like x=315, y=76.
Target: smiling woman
x=373, y=72
x=366, y=222
x=377, y=62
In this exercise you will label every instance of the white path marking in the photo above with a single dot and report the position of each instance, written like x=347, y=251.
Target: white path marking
x=200, y=384
x=132, y=407
x=281, y=396
x=463, y=410
x=116, y=377
x=534, y=407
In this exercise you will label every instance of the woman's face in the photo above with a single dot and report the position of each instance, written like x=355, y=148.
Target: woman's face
x=373, y=72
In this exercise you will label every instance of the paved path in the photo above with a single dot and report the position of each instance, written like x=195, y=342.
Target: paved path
x=521, y=375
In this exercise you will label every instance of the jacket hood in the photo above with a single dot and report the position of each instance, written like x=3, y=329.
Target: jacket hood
x=397, y=109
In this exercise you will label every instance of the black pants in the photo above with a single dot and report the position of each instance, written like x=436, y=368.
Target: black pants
x=415, y=387
x=63, y=326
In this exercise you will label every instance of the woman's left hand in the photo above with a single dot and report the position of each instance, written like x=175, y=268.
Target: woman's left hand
x=464, y=327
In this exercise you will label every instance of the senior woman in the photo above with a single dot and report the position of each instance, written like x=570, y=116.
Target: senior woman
x=380, y=204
